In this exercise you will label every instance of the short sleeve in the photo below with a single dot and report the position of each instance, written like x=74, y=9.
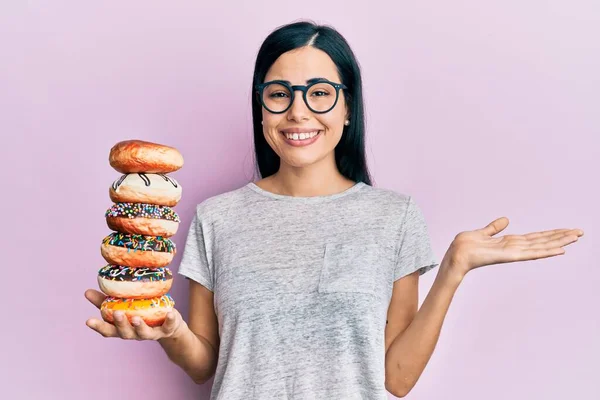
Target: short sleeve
x=415, y=252
x=196, y=262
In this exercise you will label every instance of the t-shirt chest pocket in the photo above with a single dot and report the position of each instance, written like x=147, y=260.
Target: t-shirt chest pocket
x=355, y=268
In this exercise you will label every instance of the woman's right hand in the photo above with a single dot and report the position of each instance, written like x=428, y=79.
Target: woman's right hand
x=137, y=329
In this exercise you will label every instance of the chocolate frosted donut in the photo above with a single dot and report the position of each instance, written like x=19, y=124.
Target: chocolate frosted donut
x=157, y=189
x=131, y=156
x=153, y=310
x=133, y=250
x=135, y=283
x=142, y=219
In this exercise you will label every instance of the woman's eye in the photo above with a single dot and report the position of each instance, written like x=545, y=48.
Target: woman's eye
x=320, y=93
x=278, y=94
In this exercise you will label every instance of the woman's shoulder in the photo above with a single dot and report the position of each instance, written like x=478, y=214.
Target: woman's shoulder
x=387, y=195
x=219, y=203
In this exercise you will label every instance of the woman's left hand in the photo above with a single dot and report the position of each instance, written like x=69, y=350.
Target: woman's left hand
x=474, y=249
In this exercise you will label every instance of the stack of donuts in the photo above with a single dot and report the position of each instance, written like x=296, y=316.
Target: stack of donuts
x=136, y=279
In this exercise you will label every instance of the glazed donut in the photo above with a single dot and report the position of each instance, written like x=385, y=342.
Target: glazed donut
x=142, y=219
x=134, y=283
x=153, y=310
x=137, y=250
x=157, y=189
x=132, y=156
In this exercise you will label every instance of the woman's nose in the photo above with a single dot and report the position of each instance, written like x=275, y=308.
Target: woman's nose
x=298, y=110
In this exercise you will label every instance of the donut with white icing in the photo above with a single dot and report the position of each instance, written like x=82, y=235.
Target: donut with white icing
x=132, y=156
x=134, y=283
x=153, y=310
x=146, y=188
x=136, y=251
x=142, y=219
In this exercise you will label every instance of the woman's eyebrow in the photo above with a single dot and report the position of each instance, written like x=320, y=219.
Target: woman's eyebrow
x=309, y=81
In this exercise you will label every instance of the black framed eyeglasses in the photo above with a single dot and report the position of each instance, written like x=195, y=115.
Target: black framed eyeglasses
x=320, y=95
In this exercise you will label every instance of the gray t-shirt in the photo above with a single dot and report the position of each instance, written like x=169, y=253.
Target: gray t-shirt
x=302, y=287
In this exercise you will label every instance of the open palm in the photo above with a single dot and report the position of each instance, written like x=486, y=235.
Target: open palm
x=474, y=249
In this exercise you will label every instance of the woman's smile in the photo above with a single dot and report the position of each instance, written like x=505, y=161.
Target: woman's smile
x=300, y=136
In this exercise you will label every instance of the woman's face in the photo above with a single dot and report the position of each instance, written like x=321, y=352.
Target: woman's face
x=299, y=66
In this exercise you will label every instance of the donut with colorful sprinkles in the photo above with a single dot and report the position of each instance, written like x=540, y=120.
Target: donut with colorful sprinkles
x=152, y=310
x=135, y=283
x=142, y=219
x=132, y=250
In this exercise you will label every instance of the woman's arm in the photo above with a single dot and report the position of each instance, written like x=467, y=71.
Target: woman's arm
x=194, y=347
x=194, y=354
x=410, y=350
x=411, y=347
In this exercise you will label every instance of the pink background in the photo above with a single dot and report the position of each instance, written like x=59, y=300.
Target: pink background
x=477, y=109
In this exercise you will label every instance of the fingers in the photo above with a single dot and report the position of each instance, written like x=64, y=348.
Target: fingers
x=540, y=244
x=142, y=330
x=559, y=240
x=124, y=328
x=537, y=238
x=541, y=237
x=95, y=297
x=170, y=324
x=553, y=237
x=534, y=254
x=103, y=328
x=543, y=234
x=553, y=232
x=137, y=329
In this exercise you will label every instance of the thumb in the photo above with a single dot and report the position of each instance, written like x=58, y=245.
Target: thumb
x=95, y=297
x=496, y=226
x=171, y=322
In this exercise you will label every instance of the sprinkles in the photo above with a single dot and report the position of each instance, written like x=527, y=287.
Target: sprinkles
x=142, y=210
x=140, y=242
x=129, y=274
x=116, y=303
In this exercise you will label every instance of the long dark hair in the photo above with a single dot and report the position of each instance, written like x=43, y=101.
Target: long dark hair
x=350, y=151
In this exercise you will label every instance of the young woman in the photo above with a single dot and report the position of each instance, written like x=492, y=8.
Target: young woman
x=304, y=284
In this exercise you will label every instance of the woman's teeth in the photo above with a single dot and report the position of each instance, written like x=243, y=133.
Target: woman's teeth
x=301, y=136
